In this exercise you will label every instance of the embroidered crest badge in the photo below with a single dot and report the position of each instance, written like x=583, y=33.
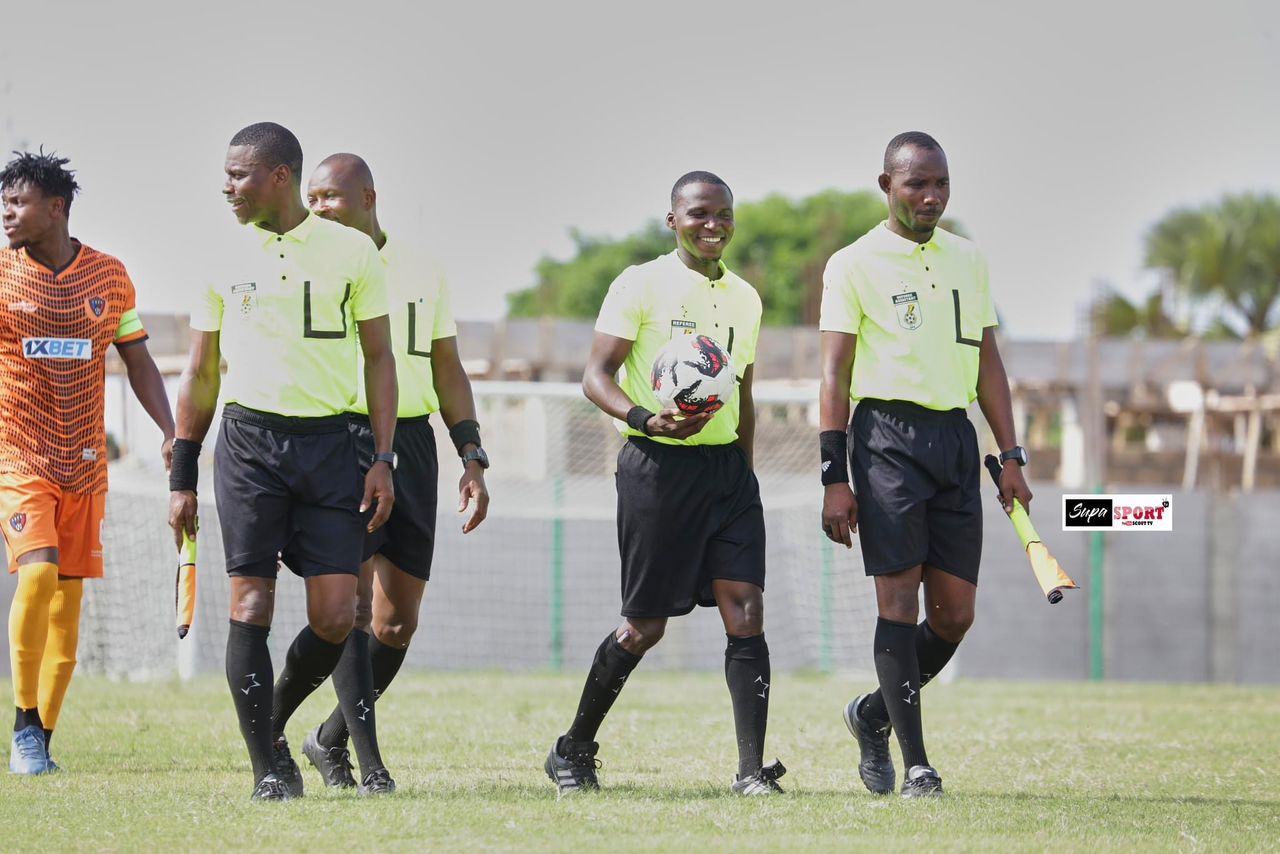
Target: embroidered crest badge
x=908, y=306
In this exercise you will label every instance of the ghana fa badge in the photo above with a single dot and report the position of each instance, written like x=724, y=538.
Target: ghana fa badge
x=246, y=291
x=908, y=306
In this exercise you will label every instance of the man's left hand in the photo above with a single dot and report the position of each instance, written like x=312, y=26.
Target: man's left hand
x=470, y=487
x=1014, y=485
x=378, y=488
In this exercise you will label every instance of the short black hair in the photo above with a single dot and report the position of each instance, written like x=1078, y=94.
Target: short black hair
x=696, y=177
x=46, y=172
x=917, y=138
x=275, y=143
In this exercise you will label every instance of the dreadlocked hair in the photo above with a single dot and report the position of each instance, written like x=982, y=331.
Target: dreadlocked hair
x=46, y=172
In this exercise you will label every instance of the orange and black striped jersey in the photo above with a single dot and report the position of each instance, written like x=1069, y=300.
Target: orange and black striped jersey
x=54, y=332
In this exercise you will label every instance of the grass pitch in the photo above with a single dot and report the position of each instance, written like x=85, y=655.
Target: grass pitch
x=1034, y=767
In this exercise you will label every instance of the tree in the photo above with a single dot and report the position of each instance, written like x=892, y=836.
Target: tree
x=575, y=288
x=1224, y=255
x=1115, y=316
x=781, y=247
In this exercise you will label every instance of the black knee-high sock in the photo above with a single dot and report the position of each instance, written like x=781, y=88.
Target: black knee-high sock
x=249, y=677
x=386, y=661
x=899, y=672
x=609, y=672
x=932, y=654
x=308, y=663
x=746, y=669
x=353, y=681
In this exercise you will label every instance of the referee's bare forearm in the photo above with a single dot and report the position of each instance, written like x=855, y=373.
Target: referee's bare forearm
x=993, y=392
x=199, y=386
x=457, y=403
x=379, y=380
x=837, y=373
x=747, y=415
x=599, y=381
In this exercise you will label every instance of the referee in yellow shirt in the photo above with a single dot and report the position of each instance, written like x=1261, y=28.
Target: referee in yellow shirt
x=430, y=378
x=908, y=332
x=690, y=523
x=287, y=478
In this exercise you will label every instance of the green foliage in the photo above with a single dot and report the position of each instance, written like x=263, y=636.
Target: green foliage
x=1224, y=256
x=1115, y=316
x=781, y=246
x=576, y=288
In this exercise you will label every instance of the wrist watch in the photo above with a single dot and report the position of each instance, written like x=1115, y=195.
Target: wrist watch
x=1017, y=453
x=388, y=457
x=477, y=454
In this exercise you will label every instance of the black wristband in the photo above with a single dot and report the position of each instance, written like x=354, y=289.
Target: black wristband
x=184, y=469
x=834, y=446
x=464, y=433
x=638, y=419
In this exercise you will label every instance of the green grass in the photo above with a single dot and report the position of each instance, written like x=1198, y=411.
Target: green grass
x=1064, y=767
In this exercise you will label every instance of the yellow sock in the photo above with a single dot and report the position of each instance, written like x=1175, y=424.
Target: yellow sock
x=60, y=650
x=29, y=629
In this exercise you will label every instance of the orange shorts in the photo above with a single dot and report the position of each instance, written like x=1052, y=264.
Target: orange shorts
x=37, y=514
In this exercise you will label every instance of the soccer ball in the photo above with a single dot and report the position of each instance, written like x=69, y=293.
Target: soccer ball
x=693, y=374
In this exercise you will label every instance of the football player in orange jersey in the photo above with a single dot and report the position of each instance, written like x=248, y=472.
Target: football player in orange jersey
x=62, y=304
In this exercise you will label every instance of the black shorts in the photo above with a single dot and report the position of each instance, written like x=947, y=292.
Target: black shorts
x=916, y=472
x=686, y=515
x=408, y=539
x=287, y=489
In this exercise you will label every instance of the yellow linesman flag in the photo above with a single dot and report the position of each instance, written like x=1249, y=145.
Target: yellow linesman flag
x=185, y=593
x=1049, y=573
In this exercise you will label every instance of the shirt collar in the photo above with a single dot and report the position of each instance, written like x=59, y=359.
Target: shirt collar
x=724, y=271
x=76, y=254
x=895, y=242
x=300, y=233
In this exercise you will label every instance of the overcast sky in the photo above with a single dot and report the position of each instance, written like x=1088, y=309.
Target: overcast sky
x=1070, y=129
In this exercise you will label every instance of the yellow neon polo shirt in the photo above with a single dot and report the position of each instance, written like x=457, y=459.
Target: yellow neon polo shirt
x=651, y=303
x=421, y=312
x=918, y=310
x=286, y=307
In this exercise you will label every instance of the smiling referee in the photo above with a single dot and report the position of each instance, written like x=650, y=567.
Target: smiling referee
x=908, y=331
x=431, y=381
x=690, y=522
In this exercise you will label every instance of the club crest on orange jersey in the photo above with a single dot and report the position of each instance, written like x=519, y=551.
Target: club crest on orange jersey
x=18, y=521
x=96, y=306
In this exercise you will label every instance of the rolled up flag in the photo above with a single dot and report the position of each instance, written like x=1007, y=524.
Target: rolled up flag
x=185, y=585
x=1049, y=573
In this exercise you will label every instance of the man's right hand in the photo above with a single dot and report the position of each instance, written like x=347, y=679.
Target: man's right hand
x=666, y=425
x=183, y=508
x=839, y=514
